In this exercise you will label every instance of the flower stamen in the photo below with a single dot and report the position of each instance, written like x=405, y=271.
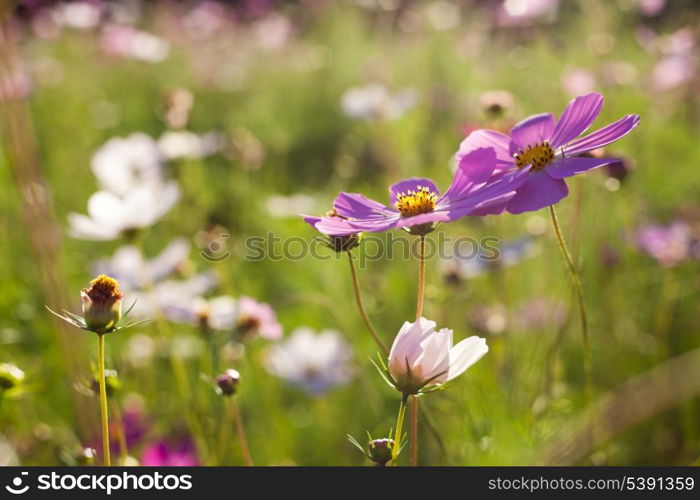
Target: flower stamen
x=538, y=155
x=420, y=201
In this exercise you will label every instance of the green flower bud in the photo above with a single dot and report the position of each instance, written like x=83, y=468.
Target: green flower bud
x=10, y=376
x=86, y=456
x=102, y=304
x=380, y=450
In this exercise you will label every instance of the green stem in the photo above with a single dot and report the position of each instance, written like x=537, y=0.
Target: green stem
x=421, y=278
x=238, y=421
x=419, y=313
x=576, y=279
x=399, y=428
x=361, y=307
x=103, y=398
x=414, y=431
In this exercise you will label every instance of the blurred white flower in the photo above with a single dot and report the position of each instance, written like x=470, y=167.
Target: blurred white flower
x=77, y=15
x=169, y=295
x=123, y=163
x=175, y=144
x=526, y=12
x=373, y=101
x=216, y=313
x=289, y=206
x=111, y=216
x=133, y=271
x=139, y=350
x=312, y=362
x=126, y=41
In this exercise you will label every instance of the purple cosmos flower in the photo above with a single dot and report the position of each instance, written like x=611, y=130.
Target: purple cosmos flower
x=669, y=245
x=549, y=151
x=416, y=203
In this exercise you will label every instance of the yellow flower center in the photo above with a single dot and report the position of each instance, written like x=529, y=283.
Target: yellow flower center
x=539, y=155
x=416, y=202
x=103, y=289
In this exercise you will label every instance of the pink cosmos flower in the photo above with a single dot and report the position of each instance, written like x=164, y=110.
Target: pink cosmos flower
x=256, y=318
x=549, y=150
x=422, y=357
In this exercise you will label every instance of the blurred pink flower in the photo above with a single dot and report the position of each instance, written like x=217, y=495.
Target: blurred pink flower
x=578, y=81
x=669, y=245
x=125, y=41
x=170, y=454
x=256, y=318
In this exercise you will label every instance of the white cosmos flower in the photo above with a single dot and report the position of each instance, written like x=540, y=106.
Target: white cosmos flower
x=123, y=163
x=133, y=271
x=312, y=362
x=374, y=101
x=176, y=144
x=169, y=295
x=423, y=357
x=216, y=313
x=111, y=216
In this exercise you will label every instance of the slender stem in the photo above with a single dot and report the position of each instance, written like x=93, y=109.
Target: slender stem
x=414, y=431
x=361, y=307
x=576, y=279
x=123, y=449
x=238, y=421
x=103, y=398
x=421, y=278
x=419, y=313
x=224, y=430
x=399, y=428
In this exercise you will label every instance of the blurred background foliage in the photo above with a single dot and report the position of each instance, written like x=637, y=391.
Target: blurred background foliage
x=273, y=79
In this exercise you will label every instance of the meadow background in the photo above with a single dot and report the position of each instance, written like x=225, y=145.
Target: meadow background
x=272, y=80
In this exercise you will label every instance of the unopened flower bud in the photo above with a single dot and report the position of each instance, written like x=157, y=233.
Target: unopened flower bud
x=10, y=376
x=86, y=456
x=380, y=450
x=102, y=304
x=228, y=382
x=112, y=383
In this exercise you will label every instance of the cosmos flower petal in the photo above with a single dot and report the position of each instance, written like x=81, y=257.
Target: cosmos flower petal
x=604, y=136
x=566, y=167
x=576, y=118
x=334, y=226
x=465, y=354
x=531, y=130
x=437, y=359
x=488, y=139
x=85, y=228
x=491, y=198
x=411, y=184
x=357, y=206
x=539, y=190
x=475, y=167
x=106, y=208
